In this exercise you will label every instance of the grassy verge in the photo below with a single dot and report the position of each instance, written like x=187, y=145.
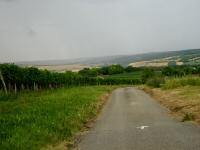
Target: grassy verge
x=183, y=101
x=32, y=120
x=173, y=83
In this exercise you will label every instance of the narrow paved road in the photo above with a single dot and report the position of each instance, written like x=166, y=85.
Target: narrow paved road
x=132, y=120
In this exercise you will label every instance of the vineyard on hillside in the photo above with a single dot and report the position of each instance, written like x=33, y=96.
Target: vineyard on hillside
x=15, y=78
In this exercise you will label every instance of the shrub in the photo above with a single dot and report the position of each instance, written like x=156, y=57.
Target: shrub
x=155, y=82
x=147, y=74
x=188, y=117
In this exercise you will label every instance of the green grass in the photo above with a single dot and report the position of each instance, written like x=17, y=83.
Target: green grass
x=131, y=75
x=32, y=120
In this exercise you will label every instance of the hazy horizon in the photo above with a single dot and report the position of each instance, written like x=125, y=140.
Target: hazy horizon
x=70, y=29
x=93, y=57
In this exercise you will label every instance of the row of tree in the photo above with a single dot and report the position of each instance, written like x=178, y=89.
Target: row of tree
x=107, y=70
x=156, y=76
x=15, y=78
x=176, y=71
x=180, y=71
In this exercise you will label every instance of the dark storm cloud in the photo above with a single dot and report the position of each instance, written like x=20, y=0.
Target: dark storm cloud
x=59, y=29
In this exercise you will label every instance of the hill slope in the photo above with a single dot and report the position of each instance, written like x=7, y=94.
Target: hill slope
x=185, y=56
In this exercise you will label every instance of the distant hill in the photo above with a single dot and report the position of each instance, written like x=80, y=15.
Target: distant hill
x=185, y=56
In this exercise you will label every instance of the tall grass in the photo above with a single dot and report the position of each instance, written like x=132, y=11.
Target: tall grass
x=32, y=120
x=172, y=83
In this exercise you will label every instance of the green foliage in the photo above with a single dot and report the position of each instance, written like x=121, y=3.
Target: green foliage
x=18, y=78
x=130, y=69
x=115, y=69
x=89, y=72
x=110, y=70
x=126, y=75
x=155, y=82
x=147, y=73
x=35, y=119
x=179, y=71
x=172, y=83
x=104, y=70
x=32, y=78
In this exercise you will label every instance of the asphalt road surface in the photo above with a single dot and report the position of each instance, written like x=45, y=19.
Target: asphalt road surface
x=132, y=120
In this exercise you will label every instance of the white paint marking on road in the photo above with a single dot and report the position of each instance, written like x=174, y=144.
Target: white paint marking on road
x=142, y=127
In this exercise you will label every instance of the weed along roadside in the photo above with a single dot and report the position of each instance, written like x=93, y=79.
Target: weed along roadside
x=33, y=120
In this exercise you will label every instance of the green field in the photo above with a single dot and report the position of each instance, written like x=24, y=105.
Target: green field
x=32, y=120
x=131, y=75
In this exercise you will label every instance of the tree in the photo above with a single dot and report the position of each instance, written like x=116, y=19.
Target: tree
x=89, y=72
x=115, y=69
x=18, y=78
x=147, y=73
x=103, y=70
x=130, y=69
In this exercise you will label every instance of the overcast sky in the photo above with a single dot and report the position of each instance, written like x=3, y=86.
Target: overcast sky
x=62, y=29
